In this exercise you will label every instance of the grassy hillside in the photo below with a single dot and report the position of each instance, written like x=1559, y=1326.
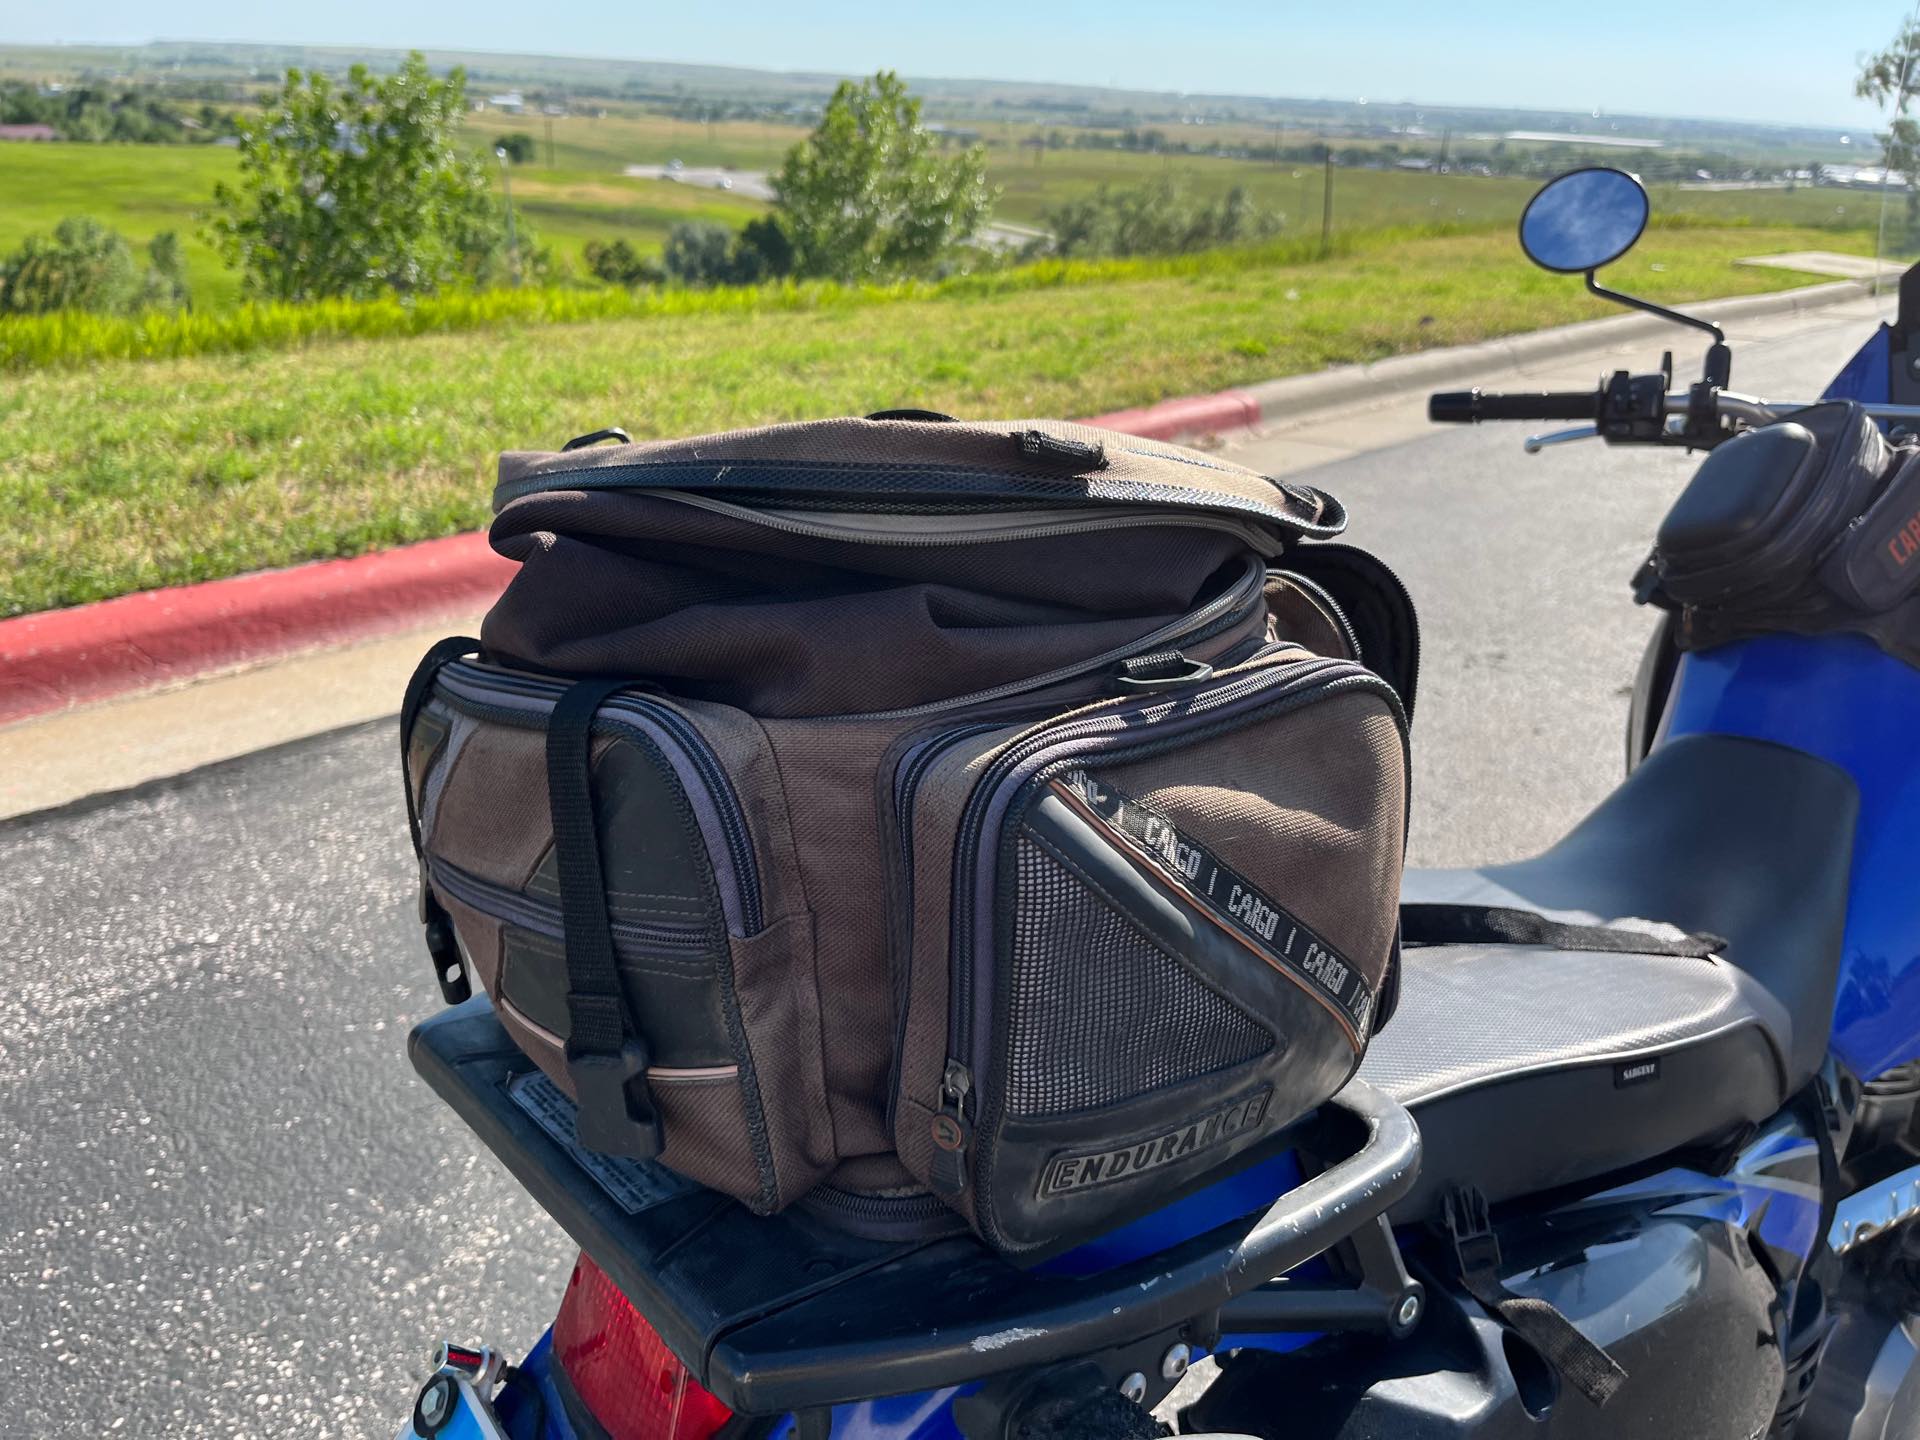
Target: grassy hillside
x=583, y=195
x=143, y=189
x=137, y=189
x=127, y=475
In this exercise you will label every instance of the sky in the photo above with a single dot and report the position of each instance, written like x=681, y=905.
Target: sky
x=1763, y=60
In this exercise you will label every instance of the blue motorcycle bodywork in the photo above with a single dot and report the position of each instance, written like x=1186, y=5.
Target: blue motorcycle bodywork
x=1841, y=698
x=1837, y=697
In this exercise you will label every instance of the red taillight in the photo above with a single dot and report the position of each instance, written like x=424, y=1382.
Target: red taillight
x=622, y=1371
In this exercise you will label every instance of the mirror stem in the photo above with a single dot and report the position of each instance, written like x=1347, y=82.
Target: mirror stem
x=1594, y=287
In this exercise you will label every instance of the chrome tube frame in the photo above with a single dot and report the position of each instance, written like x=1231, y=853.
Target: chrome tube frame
x=1752, y=410
x=1749, y=410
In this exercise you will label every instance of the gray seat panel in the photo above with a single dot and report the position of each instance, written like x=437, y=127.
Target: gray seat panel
x=1529, y=1067
x=1716, y=835
x=1471, y=1015
x=1524, y=1075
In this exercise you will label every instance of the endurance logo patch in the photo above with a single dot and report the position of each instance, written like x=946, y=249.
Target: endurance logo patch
x=1066, y=1174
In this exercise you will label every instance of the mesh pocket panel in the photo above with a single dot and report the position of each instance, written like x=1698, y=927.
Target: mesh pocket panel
x=1101, y=1013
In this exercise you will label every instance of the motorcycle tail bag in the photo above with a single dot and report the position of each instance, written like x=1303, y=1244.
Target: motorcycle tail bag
x=875, y=807
x=1810, y=525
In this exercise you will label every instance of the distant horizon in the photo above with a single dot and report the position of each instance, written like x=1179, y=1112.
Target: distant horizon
x=1693, y=68
x=810, y=72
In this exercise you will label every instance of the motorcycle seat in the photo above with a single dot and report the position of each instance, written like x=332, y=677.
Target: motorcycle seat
x=1529, y=1067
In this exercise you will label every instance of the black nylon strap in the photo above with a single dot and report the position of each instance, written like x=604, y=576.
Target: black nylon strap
x=1580, y=1362
x=594, y=1003
x=1423, y=923
x=606, y=1058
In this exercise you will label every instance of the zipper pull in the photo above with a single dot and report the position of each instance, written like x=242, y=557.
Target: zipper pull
x=952, y=1132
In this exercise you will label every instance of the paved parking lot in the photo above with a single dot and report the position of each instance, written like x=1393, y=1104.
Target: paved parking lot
x=227, y=1208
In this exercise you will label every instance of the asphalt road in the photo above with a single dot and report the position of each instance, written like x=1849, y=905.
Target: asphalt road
x=226, y=1206
x=1519, y=565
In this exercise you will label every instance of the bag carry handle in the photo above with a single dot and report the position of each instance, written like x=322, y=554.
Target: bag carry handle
x=606, y=1057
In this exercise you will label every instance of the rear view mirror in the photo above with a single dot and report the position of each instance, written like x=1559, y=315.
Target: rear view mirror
x=1584, y=219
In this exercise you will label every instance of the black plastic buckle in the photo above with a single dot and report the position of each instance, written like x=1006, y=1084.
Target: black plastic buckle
x=443, y=946
x=616, y=1111
x=1476, y=1249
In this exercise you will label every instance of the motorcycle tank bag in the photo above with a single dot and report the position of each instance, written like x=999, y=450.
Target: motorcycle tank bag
x=863, y=808
x=1810, y=525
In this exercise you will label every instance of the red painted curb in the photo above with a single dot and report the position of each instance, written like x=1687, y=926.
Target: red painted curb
x=64, y=657
x=1190, y=414
x=90, y=652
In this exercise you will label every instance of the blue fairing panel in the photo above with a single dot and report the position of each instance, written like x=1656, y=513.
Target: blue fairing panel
x=1864, y=377
x=1843, y=699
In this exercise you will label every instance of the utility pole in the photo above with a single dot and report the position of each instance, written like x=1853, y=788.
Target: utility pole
x=506, y=182
x=1326, y=203
x=549, y=142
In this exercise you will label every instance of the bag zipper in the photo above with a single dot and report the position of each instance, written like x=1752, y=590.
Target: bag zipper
x=736, y=839
x=1195, y=626
x=957, y=487
x=1250, y=695
x=922, y=1215
x=1315, y=591
x=519, y=909
x=911, y=532
x=1407, y=608
x=1201, y=624
x=908, y=773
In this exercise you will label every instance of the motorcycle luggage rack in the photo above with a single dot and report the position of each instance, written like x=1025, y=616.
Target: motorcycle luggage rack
x=783, y=1313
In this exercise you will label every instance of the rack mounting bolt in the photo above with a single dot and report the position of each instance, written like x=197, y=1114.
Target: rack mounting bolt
x=1134, y=1387
x=1174, y=1363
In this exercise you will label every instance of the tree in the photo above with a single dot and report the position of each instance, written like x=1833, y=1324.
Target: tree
x=869, y=196
x=699, y=253
x=165, y=286
x=360, y=189
x=618, y=263
x=762, y=251
x=1888, y=79
x=85, y=266
x=1158, y=218
x=519, y=147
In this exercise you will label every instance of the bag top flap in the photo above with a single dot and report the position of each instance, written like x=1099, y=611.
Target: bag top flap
x=915, y=466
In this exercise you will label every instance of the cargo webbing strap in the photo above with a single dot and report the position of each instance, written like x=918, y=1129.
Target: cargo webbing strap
x=1464, y=924
x=606, y=1058
x=1580, y=1362
x=441, y=945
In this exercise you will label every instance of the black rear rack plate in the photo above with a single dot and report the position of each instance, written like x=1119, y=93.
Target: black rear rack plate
x=783, y=1313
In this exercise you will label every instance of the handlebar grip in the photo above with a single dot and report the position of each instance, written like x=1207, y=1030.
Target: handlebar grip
x=1469, y=407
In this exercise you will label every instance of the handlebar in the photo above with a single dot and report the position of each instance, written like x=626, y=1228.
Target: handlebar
x=1470, y=407
x=1638, y=409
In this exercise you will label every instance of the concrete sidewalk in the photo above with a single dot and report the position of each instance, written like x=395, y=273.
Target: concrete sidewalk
x=63, y=757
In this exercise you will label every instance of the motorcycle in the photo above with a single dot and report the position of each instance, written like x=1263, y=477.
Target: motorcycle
x=1577, y=1190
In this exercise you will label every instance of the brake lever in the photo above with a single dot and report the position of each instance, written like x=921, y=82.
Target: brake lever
x=1534, y=444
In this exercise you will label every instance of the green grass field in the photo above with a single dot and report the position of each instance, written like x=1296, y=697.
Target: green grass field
x=137, y=189
x=126, y=475
x=140, y=190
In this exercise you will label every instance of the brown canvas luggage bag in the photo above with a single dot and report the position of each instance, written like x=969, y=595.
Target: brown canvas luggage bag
x=859, y=809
